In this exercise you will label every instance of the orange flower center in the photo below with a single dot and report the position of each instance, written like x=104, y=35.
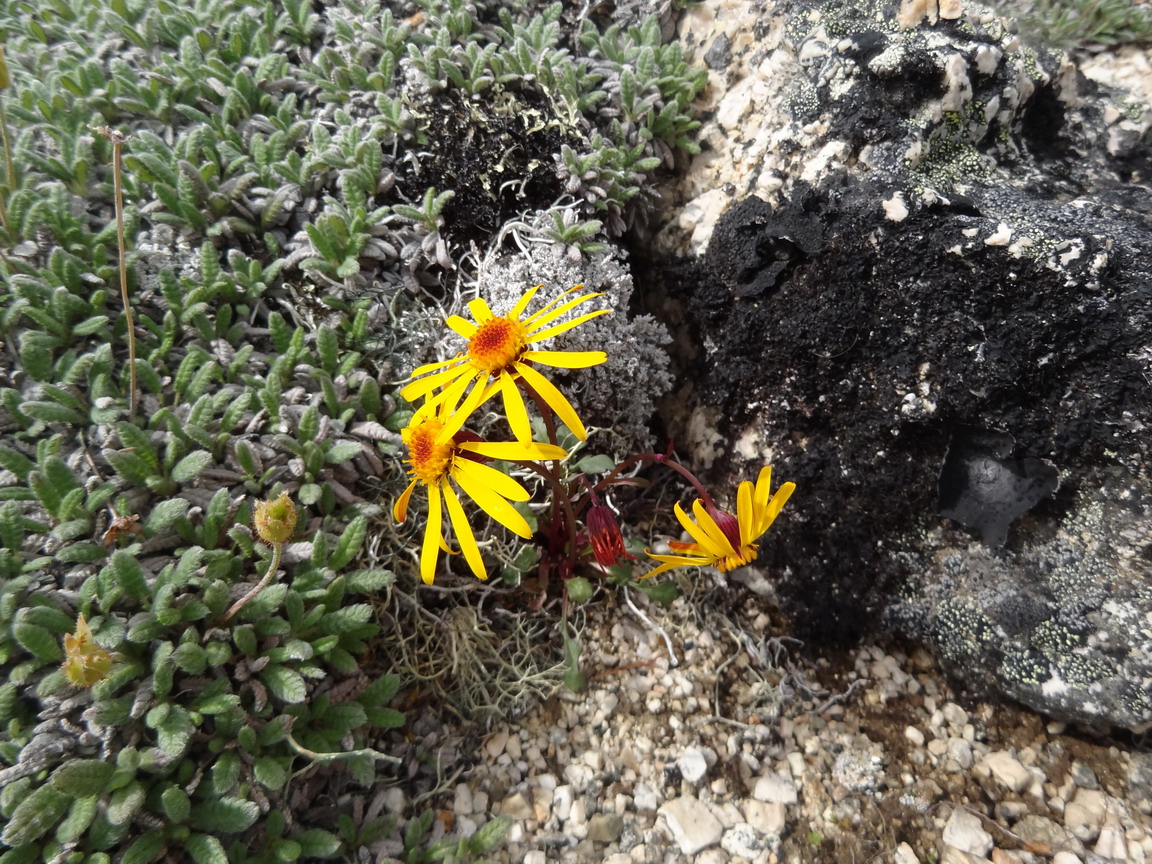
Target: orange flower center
x=497, y=344
x=430, y=461
x=744, y=555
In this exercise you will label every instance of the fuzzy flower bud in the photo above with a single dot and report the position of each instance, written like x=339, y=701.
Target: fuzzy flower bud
x=85, y=662
x=275, y=520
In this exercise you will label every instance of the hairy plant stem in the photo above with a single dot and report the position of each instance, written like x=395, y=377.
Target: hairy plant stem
x=345, y=754
x=273, y=566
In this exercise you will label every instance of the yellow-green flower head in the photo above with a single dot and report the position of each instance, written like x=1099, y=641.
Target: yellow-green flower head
x=85, y=662
x=275, y=520
x=722, y=540
x=440, y=456
x=500, y=356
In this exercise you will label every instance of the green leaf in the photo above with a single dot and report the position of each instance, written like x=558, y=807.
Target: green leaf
x=224, y=815
x=385, y=718
x=226, y=772
x=286, y=684
x=367, y=581
x=664, y=593
x=35, y=815
x=191, y=466
x=490, y=835
x=165, y=514
x=346, y=619
x=342, y=452
x=36, y=640
x=123, y=803
x=175, y=731
x=80, y=778
x=381, y=691
x=349, y=543
x=129, y=574
x=597, y=464
x=128, y=465
x=144, y=849
x=205, y=849
x=177, y=806
x=318, y=843
x=79, y=817
x=270, y=771
x=52, y=412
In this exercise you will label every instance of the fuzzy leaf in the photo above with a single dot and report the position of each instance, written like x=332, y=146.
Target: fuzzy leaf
x=270, y=772
x=80, y=778
x=367, y=581
x=124, y=803
x=224, y=815
x=346, y=619
x=342, y=452
x=36, y=640
x=79, y=817
x=205, y=849
x=166, y=513
x=35, y=815
x=144, y=849
x=176, y=804
x=191, y=466
x=286, y=684
x=381, y=691
x=129, y=574
x=349, y=543
x=318, y=843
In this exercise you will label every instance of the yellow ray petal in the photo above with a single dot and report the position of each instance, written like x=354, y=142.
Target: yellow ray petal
x=432, y=539
x=439, y=364
x=554, y=398
x=462, y=327
x=763, y=487
x=494, y=505
x=775, y=506
x=480, y=310
x=718, y=537
x=551, y=303
x=746, y=513
x=545, y=315
x=515, y=451
x=514, y=408
x=670, y=562
x=464, y=533
x=489, y=477
x=425, y=386
x=400, y=508
x=708, y=544
x=455, y=422
x=566, y=359
x=523, y=302
x=566, y=326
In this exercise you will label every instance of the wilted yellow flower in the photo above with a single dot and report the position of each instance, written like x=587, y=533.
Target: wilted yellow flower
x=85, y=662
x=275, y=520
x=499, y=355
x=722, y=540
x=439, y=458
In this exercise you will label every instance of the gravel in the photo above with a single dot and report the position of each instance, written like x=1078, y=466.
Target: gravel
x=750, y=747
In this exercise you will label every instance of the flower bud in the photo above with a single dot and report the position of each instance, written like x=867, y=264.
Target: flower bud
x=604, y=535
x=727, y=523
x=275, y=520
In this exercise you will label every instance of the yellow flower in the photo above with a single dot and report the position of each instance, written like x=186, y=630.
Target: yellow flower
x=439, y=460
x=499, y=351
x=85, y=662
x=722, y=540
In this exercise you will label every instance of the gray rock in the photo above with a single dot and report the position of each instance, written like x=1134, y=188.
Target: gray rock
x=936, y=295
x=692, y=824
x=605, y=827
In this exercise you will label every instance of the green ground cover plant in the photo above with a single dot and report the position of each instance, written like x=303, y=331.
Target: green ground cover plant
x=173, y=680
